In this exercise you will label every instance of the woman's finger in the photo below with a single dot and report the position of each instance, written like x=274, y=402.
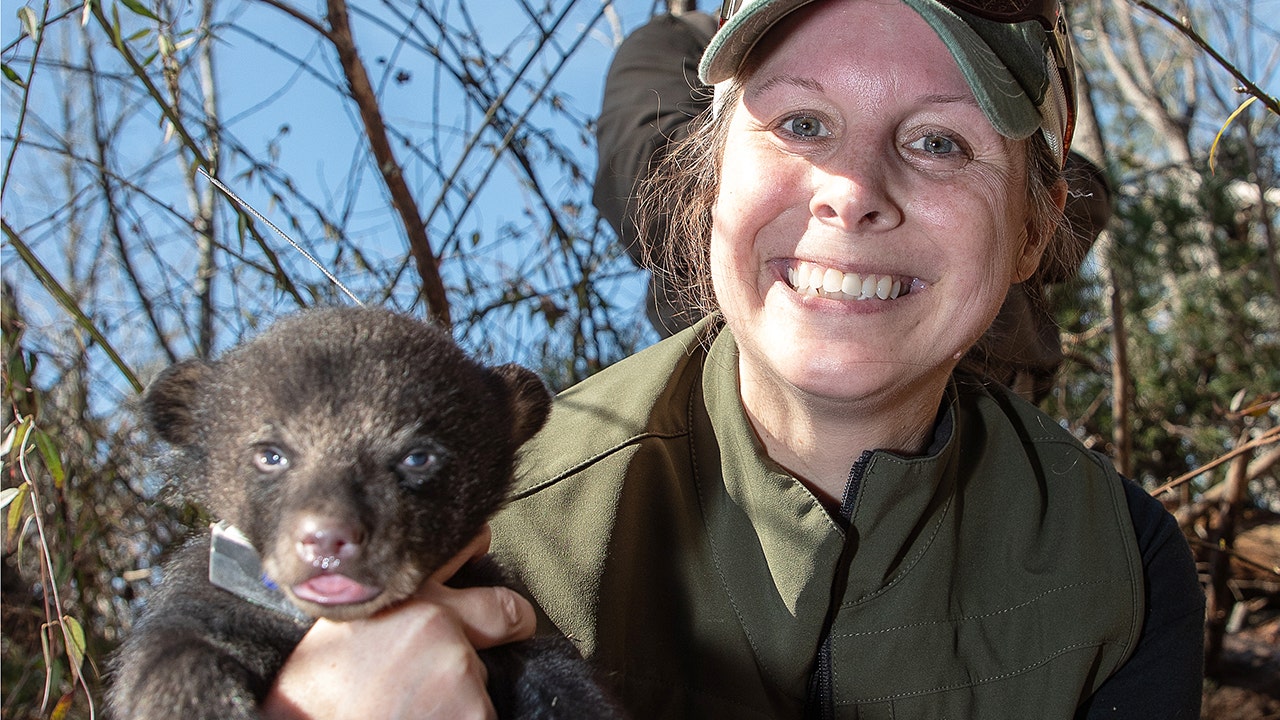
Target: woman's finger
x=489, y=616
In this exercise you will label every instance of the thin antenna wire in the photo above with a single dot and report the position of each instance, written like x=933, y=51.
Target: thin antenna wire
x=281, y=233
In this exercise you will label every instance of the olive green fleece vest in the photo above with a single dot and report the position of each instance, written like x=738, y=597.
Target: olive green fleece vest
x=997, y=578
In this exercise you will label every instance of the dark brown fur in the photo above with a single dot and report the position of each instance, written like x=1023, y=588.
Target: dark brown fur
x=356, y=440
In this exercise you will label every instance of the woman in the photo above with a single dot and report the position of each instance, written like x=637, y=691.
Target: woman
x=798, y=507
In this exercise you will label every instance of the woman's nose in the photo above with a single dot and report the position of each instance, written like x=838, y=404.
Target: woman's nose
x=853, y=197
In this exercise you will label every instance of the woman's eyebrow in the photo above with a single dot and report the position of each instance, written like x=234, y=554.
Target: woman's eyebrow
x=945, y=99
x=806, y=83
x=816, y=86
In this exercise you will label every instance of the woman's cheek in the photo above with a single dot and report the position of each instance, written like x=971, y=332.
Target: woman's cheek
x=755, y=192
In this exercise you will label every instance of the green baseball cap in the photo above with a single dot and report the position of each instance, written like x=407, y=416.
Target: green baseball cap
x=1021, y=72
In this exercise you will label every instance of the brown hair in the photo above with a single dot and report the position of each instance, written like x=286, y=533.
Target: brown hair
x=677, y=199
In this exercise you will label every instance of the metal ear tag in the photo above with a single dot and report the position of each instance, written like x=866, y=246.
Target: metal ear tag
x=234, y=566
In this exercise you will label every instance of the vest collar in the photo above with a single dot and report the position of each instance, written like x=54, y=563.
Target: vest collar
x=776, y=547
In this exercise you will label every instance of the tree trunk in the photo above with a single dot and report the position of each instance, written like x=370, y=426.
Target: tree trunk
x=202, y=199
x=1220, y=599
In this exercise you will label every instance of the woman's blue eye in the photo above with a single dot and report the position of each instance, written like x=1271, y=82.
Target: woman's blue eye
x=936, y=145
x=806, y=126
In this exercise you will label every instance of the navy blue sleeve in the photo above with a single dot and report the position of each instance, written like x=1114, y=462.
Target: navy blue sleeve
x=1163, y=677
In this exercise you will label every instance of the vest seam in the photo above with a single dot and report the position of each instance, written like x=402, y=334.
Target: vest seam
x=966, y=618
x=592, y=460
x=982, y=681
x=1114, y=485
x=1137, y=577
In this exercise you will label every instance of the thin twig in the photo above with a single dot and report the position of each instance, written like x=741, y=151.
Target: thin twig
x=47, y=560
x=1248, y=85
x=180, y=131
x=1268, y=437
x=22, y=107
x=282, y=234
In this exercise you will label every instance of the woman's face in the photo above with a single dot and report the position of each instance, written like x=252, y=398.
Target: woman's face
x=870, y=219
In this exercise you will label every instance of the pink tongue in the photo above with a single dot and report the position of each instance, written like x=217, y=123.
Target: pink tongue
x=334, y=589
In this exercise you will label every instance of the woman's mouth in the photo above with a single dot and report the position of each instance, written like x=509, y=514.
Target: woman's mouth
x=809, y=278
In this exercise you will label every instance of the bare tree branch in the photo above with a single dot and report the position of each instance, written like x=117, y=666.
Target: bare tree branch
x=392, y=174
x=1183, y=26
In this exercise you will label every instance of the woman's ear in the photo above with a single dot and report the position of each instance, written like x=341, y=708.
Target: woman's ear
x=1039, y=233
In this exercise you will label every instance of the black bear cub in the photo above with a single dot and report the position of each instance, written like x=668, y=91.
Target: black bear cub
x=356, y=450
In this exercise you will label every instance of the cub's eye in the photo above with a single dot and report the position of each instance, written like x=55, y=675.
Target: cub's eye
x=419, y=466
x=419, y=460
x=806, y=126
x=270, y=459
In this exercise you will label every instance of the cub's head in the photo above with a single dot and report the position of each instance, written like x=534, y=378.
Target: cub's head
x=356, y=448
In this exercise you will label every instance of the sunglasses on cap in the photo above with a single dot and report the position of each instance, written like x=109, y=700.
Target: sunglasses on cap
x=1047, y=12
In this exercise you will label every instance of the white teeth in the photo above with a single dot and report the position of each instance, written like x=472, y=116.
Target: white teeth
x=811, y=279
x=832, y=281
x=868, y=287
x=883, y=286
x=815, y=278
x=852, y=284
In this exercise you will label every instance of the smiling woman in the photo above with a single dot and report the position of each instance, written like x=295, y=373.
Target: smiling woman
x=882, y=167
x=800, y=507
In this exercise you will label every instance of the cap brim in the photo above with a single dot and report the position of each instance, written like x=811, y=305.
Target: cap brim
x=999, y=94
x=735, y=39
x=1001, y=97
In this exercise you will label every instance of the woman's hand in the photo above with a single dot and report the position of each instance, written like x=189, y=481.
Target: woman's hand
x=417, y=660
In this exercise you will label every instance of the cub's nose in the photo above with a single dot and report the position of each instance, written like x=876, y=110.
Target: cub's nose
x=324, y=542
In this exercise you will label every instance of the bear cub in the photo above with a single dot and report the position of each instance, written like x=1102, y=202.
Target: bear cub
x=356, y=450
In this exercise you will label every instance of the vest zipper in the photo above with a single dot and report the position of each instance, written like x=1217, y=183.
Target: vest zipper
x=820, y=705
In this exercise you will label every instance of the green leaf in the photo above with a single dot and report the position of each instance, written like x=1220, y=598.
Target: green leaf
x=22, y=533
x=17, y=440
x=73, y=635
x=30, y=23
x=12, y=76
x=62, y=708
x=52, y=460
x=115, y=27
x=140, y=9
x=15, y=511
x=50, y=283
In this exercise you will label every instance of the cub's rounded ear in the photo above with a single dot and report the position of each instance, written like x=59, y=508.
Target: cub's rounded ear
x=528, y=398
x=169, y=402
